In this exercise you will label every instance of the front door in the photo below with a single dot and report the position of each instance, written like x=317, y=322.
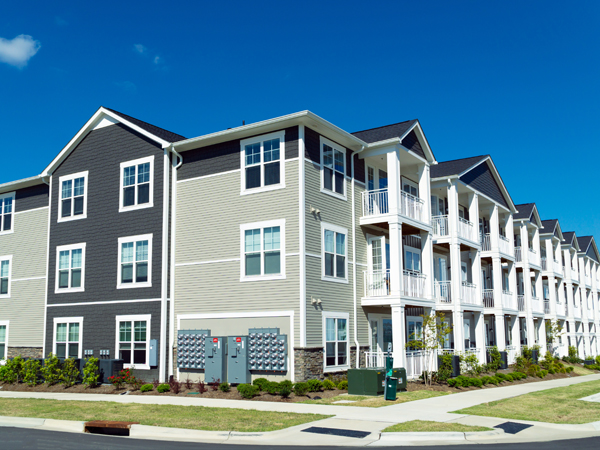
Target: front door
x=379, y=263
x=381, y=336
x=377, y=180
x=467, y=331
x=414, y=329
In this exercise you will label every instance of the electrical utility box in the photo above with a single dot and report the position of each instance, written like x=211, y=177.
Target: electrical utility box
x=153, y=359
x=216, y=359
x=190, y=349
x=268, y=350
x=238, y=370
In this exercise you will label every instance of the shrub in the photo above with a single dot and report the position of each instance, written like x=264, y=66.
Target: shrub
x=70, y=372
x=147, y=387
x=260, y=382
x=542, y=373
x=569, y=369
x=328, y=385
x=445, y=368
x=14, y=370
x=189, y=384
x=286, y=387
x=31, y=369
x=272, y=387
x=469, y=364
x=201, y=387
x=224, y=387
x=91, y=373
x=248, y=390
x=598, y=360
x=155, y=383
x=495, y=359
x=343, y=385
x=301, y=388
x=508, y=377
x=315, y=385
x=453, y=382
x=51, y=369
x=214, y=385
x=476, y=382
x=486, y=379
x=573, y=357
x=174, y=386
x=500, y=376
x=162, y=388
x=7, y=375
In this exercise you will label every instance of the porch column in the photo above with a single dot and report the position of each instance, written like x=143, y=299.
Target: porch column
x=458, y=325
x=539, y=289
x=474, y=214
x=398, y=340
x=543, y=341
x=480, y=335
x=528, y=305
x=425, y=191
x=516, y=332
x=552, y=294
x=455, y=275
x=476, y=275
x=524, y=243
x=549, y=255
x=512, y=283
x=427, y=263
x=569, y=299
x=497, y=281
x=500, y=332
x=453, y=210
x=495, y=229
x=510, y=233
x=394, y=181
x=396, y=259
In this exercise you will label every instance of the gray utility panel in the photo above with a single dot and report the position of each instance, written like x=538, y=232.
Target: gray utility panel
x=153, y=360
x=216, y=359
x=238, y=370
x=190, y=348
x=268, y=350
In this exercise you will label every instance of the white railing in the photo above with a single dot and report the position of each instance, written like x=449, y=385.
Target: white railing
x=375, y=359
x=375, y=202
x=443, y=291
x=566, y=309
x=488, y=298
x=505, y=245
x=574, y=275
x=577, y=312
x=546, y=306
x=544, y=263
x=588, y=280
x=466, y=229
x=469, y=293
x=377, y=284
x=511, y=354
x=558, y=268
x=416, y=363
x=521, y=302
x=508, y=300
x=536, y=304
x=486, y=243
x=411, y=206
x=414, y=284
x=533, y=257
x=440, y=225
x=518, y=257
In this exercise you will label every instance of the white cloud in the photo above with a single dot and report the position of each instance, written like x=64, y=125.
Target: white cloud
x=140, y=49
x=127, y=86
x=157, y=60
x=18, y=51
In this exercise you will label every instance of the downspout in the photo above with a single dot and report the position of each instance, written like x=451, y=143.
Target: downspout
x=172, y=256
x=165, y=271
x=354, y=262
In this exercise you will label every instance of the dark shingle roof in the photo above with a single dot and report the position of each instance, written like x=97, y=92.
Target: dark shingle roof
x=156, y=131
x=569, y=235
x=385, y=132
x=454, y=167
x=525, y=211
x=549, y=226
x=584, y=242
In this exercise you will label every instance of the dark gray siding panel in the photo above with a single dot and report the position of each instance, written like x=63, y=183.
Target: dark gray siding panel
x=31, y=198
x=359, y=168
x=101, y=153
x=412, y=143
x=99, y=327
x=481, y=178
x=225, y=157
x=591, y=253
x=313, y=150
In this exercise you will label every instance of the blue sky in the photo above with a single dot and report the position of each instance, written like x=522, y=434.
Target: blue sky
x=517, y=80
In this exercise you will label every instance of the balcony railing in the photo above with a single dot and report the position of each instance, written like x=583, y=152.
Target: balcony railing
x=533, y=257
x=536, y=304
x=566, y=309
x=558, y=267
x=375, y=202
x=521, y=302
x=375, y=359
x=577, y=312
x=544, y=263
x=440, y=225
x=508, y=300
x=469, y=293
x=546, y=306
x=486, y=242
x=518, y=257
x=443, y=291
x=466, y=230
x=414, y=284
x=488, y=298
x=588, y=280
x=512, y=354
x=411, y=206
x=377, y=283
x=505, y=245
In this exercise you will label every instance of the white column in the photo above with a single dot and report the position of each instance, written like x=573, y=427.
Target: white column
x=539, y=288
x=425, y=191
x=542, y=332
x=510, y=232
x=516, y=331
x=476, y=275
x=396, y=257
x=398, y=339
x=536, y=242
x=394, y=181
x=500, y=332
x=455, y=275
x=458, y=328
x=474, y=213
x=480, y=336
x=552, y=296
x=524, y=243
x=512, y=281
x=427, y=262
x=497, y=281
x=549, y=255
x=453, y=210
x=528, y=305
x=494, y=229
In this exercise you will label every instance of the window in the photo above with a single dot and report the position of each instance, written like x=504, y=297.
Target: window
x=414, y=331
x=336, y=340
x=7, y=210
x=334, y=250
x=67, y=337
x=5, y=263
x=73, y=197
x=135, y=262
x=333, y=167
x=410, y=187
x=133, y=340
x=262, y=162
x=263, y=250
x=412, y=259
x=70, y=268
x=3, y=339
x=137, y=184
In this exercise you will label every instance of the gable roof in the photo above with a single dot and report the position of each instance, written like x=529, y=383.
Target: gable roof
x=156, y=131
x=571, y=239
x=385, y=132
x=528, y=211
x=455, y=166
x=588, y=246
x=552, y=227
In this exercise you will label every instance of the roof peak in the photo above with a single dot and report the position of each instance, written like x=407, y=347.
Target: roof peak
x=384, y=126
x=162, y=132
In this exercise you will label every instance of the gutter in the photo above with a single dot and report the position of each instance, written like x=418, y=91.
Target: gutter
x=354, y=262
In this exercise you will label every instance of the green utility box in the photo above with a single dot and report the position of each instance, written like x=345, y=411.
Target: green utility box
x=372, y=381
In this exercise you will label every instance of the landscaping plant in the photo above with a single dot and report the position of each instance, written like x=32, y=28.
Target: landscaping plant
x=146, y=388
x=188, y=384
x=328, y=385
x=260, y=382
x=51, y=369
x=285, y=388
x=248, y=390
x=91, y=373
x=31, y=370
x=14, y=372
x=301, y=388
x=495, y=360
x=343, y=385
x=162, y=388
x=215, y=384
x=202, y=387
x=224, y=387
x=573, y=357
x=174, y=385
x=69, y=374
x=554, y=332
x=469, y=364
x=315, y=385
x=445, y=368
x=272, y=387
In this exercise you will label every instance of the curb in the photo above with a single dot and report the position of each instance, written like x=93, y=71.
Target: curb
x=436, y=435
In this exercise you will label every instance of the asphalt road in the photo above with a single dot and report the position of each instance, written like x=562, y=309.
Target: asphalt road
x=31, y=439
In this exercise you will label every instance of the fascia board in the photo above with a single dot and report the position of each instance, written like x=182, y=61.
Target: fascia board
x=421, y=135
x=536, y=215
x=481, y=194
x=20, y=184
x=498, y=179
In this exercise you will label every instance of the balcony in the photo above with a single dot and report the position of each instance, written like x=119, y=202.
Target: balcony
x=558, y=268
x=440, y=226
x=588, y=280
x=518, y=257
x=486, y=243
x=505, y=246
x=466, y=230
x=469, y=293
x=533, y=257
x=521, y=303
x=443, y=292
x=411, y=206
x=414, y=284
x=536, y=305
x=577, y=312
x=544, y=266
x=376, y=203
x=508, y=300
x=377, y=283
x=488, y=298
x=546, y=306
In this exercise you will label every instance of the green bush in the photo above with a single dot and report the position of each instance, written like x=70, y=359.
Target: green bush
x=569, y=369
x=533, y=369
x=272, y=387
x=495, y=359
x=469, y=364
x=509, y=377
x=14, y=370
x=6, y=375
x=476, y=382
x=248, y=390
x=31, y=370
x=486, y=379
x=163, y=388
x=69, y=374
x=315, y=385
x=51, y=369
x=261, y=383
x=301, y=388
x=573, y=357
x=542, y=373
x=343, y=385
x=224, y=387
x=146, y=387
x=90, y=372
x=328, y=385
x=285, y=388
x=445, y=369
x=598, y=360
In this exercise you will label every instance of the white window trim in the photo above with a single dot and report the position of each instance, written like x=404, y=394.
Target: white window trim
x=261, y=139
x=12, y=222
x=335, y=315
x=133, y=285
x=324, y=140
x=5, y=323
x=135, y=162
x=250, y=226
x=72, y=177
x=68, y=320
x=133, y=318
x=335, y=228
x=411, y=183
x=10, y=266
x=408, y=248
x=60, y=248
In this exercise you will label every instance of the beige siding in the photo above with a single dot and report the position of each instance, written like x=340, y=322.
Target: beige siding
x=25, y=313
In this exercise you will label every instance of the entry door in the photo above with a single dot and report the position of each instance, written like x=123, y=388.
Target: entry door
x=467, y=333
x=379, y=262
x=381, y=332
x=414, y=329
x=410, y=187
x=487, y=333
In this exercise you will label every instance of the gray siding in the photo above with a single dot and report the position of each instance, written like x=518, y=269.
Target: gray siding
x=481, y=178
x=411, y=142
x=31, y=198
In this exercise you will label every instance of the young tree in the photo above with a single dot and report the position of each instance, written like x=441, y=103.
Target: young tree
x=554, y=332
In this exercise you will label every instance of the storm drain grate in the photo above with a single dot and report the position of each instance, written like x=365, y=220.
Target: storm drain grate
x=109, y=427
x=337, y=432
x=513, y=427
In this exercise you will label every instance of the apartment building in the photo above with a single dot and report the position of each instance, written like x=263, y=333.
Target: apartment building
x=134, y=238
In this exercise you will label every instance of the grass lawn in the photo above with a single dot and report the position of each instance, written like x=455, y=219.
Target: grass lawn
x=579, y=370
x=192, y=417
x=376, y=402
x=425, y=425
x=558, y=405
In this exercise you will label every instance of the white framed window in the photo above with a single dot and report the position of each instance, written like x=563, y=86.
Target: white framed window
x=133, y=340
x=335, y=341
x=334, y=248
x=262, y=251
x=5, y=275
x=7, y=212
x=3, y=339
x=263, y=163
x=135, y=262
x=67, y=337
x=73, y=196
x=410, y=187
x=137, y=184
x=412, y=259
x=70, y=268
x=414, y=330
x=333, y=168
